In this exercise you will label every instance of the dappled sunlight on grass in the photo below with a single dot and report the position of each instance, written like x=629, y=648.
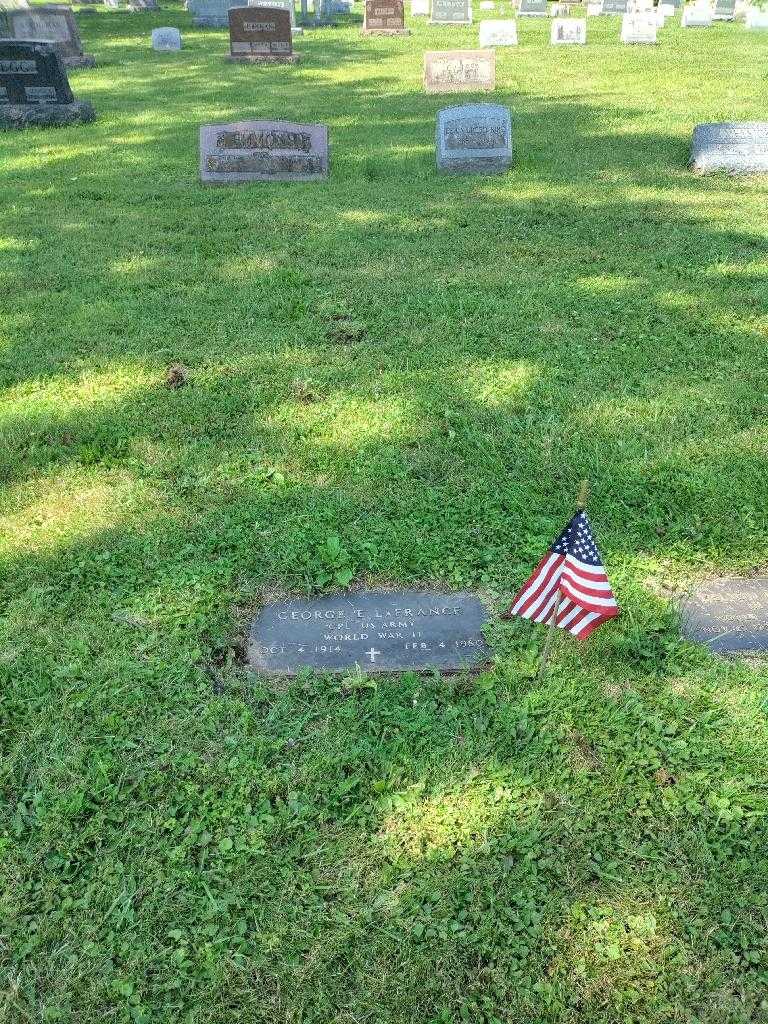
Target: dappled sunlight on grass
x=75, y=507
x=60, y=396
x=442, y=825
x=496, y=383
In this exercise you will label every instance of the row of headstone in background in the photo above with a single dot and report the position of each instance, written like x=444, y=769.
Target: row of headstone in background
x=47, y=23
x=34, y=89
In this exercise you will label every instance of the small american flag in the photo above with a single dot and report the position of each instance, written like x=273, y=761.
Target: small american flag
x=570, y=581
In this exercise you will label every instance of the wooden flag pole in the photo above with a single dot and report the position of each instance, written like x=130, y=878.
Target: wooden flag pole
x=581, y=503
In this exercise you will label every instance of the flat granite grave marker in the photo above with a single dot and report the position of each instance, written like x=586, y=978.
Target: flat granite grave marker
x=233, y=154
x=451, y=12
x=460, y=70
x=384, y=18
x=475, y=138
x=533, y=9
x=48, y=23
x=260, y=35
x=739, y=147
x=498, y=33
x=375, y=631
x=568, y=32
x=282, y=5
x=639, y=28
x=34, y=89
x=728, y=615
x=166, y=39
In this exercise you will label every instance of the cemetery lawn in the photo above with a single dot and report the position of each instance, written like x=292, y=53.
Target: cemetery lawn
x=399, y=379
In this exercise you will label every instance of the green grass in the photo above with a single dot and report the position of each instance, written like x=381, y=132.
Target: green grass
x=184, y=844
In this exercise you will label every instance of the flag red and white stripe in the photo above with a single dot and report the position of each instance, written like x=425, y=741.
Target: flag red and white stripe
x=569, y=588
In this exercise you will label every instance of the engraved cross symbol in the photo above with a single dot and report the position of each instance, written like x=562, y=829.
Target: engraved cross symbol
x=373, y=652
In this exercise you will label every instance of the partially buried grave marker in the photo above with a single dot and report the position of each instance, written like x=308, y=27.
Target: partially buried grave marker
x=232, y=154
x=451, y=12
x=48, y=23
x=460, y=70
x=375, y=631
x=498, y=33
x=166, y=39
x=384, y=18
x=738, y=147
x=260, y=35
x=728, y=615
x=569, y=31
x=639, y=28
x=475, y=138
x=34, y=89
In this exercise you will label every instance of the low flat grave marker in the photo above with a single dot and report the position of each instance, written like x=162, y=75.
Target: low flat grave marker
x=475, y=138
x=639, y=28
x=384, y=18
x=498, y=33
x=569, y=32
x=737, y=147
x=533, y=9
x=260, y=35
x=233, y=154
x=375, y=631
x=451, y=12
x=730, y=616
x=34, y=89
x=48, y=23
x=460, y=70
x=166, y=39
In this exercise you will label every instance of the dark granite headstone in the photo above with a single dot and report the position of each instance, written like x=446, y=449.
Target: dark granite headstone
x=375, y=630
x=34, y=89
x=728, y=615
x=260, y=35
x=738, y=148
x=48, y=23
x=384, y=18
x=233, y=154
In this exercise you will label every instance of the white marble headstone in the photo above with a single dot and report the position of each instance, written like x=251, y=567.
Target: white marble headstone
x=568, y=31
x=166, y=39
x=594, y=9
x=638, y=28
x=756, y=18
x=419, y=8
x=697, y=17
x=498, y=33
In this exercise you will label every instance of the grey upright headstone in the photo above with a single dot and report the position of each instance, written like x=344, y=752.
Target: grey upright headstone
x=474, y=138
x=166, y=39
x=451, y=12
x=738, y=148
x=48, y=23
x=211, y=13
x=533, y=9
